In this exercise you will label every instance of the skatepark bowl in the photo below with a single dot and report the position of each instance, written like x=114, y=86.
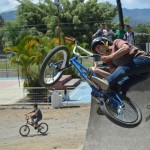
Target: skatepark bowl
x=103, y=134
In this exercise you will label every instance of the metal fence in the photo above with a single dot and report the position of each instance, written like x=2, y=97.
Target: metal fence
x=31, y=94
x=24, y=95
x=6, y=69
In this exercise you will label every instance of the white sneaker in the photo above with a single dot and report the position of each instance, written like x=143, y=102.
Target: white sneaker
x=104, y=84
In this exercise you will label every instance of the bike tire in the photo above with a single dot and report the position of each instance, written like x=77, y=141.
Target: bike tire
x=24, y=130
x=134, y=113
x=48, y=74
x=43, y=128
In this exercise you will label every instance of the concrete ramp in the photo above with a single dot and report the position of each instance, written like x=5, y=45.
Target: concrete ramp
x=102, y=134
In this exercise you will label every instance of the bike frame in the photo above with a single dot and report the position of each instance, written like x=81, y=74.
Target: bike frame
x=28, y=122
x=112, y=95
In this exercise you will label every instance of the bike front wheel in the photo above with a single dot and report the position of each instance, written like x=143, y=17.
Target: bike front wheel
x=53, y=64
x=129, y=117
x=24, y=130
x=43, y=128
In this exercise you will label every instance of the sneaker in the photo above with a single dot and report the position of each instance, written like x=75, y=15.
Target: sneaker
x=104, y=84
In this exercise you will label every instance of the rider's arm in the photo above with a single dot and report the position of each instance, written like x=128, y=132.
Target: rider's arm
x=123, y=48
x=99, y=71
x=120, y=52
x=29, y=112
x=103, y=73
x=36, y=112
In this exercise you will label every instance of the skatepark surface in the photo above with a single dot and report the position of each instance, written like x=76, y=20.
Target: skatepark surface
x=102, y=134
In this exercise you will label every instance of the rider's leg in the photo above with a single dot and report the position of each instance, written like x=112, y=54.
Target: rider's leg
x=36, y=120
x=32, y=118
x=138, y=65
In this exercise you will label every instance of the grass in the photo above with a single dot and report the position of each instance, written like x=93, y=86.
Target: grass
x=87, y=62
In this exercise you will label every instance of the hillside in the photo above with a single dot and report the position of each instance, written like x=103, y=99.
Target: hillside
x=137, y=15
x=9, y=16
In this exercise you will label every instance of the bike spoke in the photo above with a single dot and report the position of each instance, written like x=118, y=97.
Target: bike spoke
x=128, y=114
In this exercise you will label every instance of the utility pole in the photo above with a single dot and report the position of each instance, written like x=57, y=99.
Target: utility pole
x=120, y=13
x=59, y=7
x=59, y=26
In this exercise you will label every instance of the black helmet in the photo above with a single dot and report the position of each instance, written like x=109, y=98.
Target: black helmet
x=100, y=40
x=35, y=105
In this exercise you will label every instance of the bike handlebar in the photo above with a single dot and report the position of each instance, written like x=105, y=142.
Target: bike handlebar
x=77, y=46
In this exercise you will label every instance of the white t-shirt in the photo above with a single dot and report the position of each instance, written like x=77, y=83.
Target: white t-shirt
x=129, y=37
x=108, y=34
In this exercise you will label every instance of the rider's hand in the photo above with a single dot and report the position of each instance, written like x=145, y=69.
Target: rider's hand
x=105, y=58
x=94, y=68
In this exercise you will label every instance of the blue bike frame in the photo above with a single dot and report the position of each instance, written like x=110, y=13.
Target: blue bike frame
x=113, y=97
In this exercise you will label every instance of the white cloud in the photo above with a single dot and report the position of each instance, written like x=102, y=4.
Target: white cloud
x=7, y=5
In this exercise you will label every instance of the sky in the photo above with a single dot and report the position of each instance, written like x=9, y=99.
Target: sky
x=7, y=5
x=131, y=4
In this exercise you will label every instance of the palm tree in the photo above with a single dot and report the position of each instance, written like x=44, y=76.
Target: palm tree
x=27, y=53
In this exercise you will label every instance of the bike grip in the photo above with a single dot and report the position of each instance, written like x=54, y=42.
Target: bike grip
x=69, y=39
x=96, y=56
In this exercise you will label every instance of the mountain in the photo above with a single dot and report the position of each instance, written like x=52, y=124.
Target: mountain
x=137, y=15
x=9, y=16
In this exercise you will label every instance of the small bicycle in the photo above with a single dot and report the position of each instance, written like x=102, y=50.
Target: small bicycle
x=25, y=129
x=118, y=109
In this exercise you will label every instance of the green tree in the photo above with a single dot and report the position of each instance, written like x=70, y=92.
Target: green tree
x=141, y=39
x=78, y=18
x=10, y=30
x=1, y=21
x=31, y=15
x=35, y=30
x=1, y=33
x=29, y=53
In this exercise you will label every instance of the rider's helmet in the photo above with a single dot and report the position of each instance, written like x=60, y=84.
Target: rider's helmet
x=100, y=40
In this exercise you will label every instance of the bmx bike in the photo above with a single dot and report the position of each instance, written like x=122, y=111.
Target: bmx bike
x=25, y=129
x=118, y=109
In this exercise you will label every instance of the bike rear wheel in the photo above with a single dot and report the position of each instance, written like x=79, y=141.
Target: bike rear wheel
x=24, y=130
x=50, y=71
x=129, y=117
x=43, y=128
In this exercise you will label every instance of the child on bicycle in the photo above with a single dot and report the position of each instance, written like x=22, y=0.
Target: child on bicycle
x=35, y=115
x=126, y=63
